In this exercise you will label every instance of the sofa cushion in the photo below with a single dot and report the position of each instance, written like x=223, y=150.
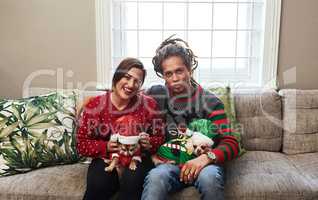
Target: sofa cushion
x=266, y=175
x=37, y=132
x=65, y=182
x=259, y=114
x=300, y=121
x=307, y=165
x=255, y=175
x=83, y=95
x=189, y=193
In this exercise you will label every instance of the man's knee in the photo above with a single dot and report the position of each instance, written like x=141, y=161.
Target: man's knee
x=210, y=183
x=158, y=182
x=211, y=176
x=157, y=174
x=160, y=175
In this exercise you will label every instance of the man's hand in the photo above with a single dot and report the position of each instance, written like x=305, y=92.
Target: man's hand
x=145, y=141
x=192, y=168
x=112, y=147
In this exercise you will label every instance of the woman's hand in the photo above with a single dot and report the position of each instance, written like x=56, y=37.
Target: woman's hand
x=145, y=141
x=112, y=147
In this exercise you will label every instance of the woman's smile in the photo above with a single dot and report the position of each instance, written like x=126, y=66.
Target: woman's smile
x=128, y=90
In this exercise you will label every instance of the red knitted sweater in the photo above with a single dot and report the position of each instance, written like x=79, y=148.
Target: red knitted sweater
x=98, y=122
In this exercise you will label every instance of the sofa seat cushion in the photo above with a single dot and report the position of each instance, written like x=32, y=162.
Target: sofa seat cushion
x=189, y=193
x=307, y=165
x=255, y=175
x=65, y=182
x=266, y=175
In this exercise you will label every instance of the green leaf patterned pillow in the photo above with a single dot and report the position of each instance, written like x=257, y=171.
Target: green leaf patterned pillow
x=225, y=95
x=37, y=132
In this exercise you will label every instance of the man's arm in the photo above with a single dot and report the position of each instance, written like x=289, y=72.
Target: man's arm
x=227, y=145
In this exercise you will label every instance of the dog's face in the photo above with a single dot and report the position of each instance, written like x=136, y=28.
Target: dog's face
x=128, y=149
x=201, y=149
x=201, y=143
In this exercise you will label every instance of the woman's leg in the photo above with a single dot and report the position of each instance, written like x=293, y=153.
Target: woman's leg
x=101, y=185
x=131, y=183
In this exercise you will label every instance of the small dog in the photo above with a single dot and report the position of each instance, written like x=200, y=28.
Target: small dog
x=189, y=144
x=198, y=143
x=128, y=156
x=127, y=136
x=201, y=149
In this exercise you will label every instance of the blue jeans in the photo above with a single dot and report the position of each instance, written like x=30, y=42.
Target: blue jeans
x=165, y=179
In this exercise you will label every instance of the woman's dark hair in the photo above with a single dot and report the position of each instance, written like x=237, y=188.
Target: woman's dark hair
x=126, y=65
x=174, y=47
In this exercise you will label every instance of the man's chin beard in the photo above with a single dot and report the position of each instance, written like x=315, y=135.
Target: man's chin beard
x=182, y=91
x=179, y=92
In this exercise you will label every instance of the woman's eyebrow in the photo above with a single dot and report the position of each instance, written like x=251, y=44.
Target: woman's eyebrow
x=131, y=76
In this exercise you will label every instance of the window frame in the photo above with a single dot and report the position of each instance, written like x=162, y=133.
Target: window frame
x=103, y=18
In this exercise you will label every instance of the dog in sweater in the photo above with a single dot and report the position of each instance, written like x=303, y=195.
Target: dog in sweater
x=191, y=142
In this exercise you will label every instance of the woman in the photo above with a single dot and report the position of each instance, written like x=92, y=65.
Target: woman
x=98, y=122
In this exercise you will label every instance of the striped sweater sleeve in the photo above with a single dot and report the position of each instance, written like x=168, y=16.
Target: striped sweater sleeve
x=227, y=147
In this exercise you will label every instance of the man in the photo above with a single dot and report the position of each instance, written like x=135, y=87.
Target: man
x=182, y=100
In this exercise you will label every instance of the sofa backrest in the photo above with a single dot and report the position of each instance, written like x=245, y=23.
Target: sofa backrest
x=300, y=113
x=35, y=91
x=259, y=114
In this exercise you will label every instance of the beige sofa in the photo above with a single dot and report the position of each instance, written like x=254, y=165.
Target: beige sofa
x=279, y=132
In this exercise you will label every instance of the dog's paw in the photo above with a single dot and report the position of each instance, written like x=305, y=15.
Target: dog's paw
x=133, y=165
x=107, y=161
x=109, y=168
x=171, y=162
x=156, y=161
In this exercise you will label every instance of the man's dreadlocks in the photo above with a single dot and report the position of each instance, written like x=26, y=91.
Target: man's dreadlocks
x=174, y=47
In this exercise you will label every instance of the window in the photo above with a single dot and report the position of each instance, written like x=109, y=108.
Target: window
x=235, y=40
